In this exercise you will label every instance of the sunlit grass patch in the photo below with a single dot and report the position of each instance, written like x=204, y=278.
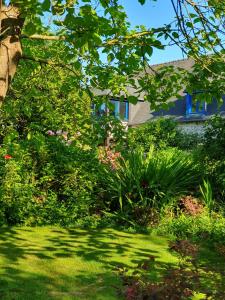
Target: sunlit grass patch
x=54, y=263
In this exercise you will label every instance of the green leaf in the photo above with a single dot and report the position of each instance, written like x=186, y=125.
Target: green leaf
x=197, y=20
x=46, y=5
x=189, y=24
x=175, y=35
x=132, y=99
x=148, y=50
x=29, y=135
x=110, y=57
x=121, y=202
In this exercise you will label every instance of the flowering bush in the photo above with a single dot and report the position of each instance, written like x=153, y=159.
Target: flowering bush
x=46, y=182
x=190, y=205
x=109, y=157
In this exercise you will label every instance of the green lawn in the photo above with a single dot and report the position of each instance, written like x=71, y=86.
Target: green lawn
x=54, y=263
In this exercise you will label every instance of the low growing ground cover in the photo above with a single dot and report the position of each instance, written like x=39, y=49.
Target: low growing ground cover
x=55, y=263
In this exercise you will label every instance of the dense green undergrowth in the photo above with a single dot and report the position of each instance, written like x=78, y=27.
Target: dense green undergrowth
x=201, y=227
x=46, y=180
x=53, y=170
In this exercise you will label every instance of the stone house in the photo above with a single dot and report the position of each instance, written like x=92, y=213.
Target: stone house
x=188, y=113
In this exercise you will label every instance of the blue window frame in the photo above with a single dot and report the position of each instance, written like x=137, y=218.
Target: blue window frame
x=121, y=109
x=194, y=106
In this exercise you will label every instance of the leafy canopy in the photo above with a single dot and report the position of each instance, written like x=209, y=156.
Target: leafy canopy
x=105, y=52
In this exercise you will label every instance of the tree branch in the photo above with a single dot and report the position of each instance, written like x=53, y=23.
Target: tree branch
x=48, y=62
x=43, y=37
x=111, y=42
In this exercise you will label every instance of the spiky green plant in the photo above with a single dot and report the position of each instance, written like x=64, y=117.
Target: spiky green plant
x=207, y=195
x=151, y=180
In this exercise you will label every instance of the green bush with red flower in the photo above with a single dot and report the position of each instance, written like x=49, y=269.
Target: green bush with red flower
x=45, y=181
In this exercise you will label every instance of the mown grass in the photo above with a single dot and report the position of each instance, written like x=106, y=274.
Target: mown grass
x=53, y=263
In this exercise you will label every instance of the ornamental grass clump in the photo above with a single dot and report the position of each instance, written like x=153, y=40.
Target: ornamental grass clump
x=149, y=181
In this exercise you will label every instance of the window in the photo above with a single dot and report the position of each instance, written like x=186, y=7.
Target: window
x=194, y=106
x=98, y=110
x=121, y=109
x=118, y=109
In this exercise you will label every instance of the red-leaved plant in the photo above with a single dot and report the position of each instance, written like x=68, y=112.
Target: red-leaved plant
x=175, y=283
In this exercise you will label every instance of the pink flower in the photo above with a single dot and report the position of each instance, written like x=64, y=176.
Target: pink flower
x=50, y=132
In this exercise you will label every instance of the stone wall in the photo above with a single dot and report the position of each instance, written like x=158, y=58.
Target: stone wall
x=192, y=127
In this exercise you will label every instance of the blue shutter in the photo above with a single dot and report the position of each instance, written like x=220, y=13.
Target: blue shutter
x=127, y=111
x=117, y=109
x=197, y=108
x=188, y=104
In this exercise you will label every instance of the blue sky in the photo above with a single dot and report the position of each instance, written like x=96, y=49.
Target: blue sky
x=153, y=14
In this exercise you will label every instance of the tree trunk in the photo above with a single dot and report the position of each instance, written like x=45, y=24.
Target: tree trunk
x=10, y=47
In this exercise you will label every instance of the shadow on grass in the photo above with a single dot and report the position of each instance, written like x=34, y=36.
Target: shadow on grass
x=22, y=285
x=101, y=246
x=24, y=252
x=104, y=249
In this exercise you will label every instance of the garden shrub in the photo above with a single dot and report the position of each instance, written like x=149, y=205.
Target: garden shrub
x=48, y=156
x=214, y=138
x=189, y=205
x=45, y=181
x=187, y=141
x=108, y=127
x=191, y=278
x=162, y=133
x=200, y=228
x=176, y=283
x=213, y=156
